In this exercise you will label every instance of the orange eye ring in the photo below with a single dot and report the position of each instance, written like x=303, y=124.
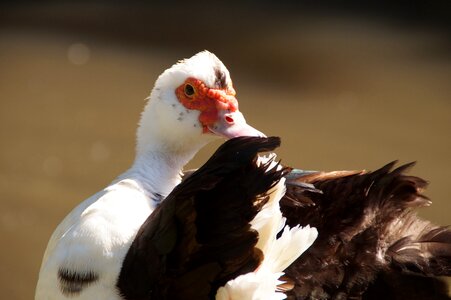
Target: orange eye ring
x=189, y=90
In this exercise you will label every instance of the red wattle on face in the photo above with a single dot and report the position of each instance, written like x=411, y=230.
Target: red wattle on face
x=218, y=108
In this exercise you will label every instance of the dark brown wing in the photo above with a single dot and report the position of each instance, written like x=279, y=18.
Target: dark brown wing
x=200, y=237
x=368, y=234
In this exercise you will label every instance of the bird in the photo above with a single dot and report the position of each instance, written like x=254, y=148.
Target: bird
x=370, y=243
x=220, y=233
x=192, y=103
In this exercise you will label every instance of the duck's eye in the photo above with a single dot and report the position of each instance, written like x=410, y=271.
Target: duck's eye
x=189, y=90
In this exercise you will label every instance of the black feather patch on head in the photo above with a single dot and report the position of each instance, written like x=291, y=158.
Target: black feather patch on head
x=220, y=78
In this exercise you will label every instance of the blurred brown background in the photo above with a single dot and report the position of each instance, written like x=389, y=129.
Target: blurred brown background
x=346, y=87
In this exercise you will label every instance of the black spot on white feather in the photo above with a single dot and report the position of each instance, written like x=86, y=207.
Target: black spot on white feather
x=179, y=119
x=73, y=282
x=173, y=105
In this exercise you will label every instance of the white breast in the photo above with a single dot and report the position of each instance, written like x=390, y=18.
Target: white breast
x=94, y=238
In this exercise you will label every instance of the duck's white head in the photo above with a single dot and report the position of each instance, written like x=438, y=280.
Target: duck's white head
x=192, y=103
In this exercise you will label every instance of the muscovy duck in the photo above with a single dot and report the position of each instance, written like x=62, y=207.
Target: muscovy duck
x=191, y=104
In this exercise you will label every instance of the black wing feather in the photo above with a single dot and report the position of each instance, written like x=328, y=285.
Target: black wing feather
x=369, y=235
x=200, y=236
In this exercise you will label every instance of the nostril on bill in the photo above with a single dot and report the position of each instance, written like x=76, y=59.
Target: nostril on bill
x=229, y=119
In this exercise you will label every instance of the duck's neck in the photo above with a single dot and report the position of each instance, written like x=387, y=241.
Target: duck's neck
x=161, y=151
x=158, y=171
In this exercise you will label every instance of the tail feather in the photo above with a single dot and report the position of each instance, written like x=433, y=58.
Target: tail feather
x=429, y=254
x=368, y=230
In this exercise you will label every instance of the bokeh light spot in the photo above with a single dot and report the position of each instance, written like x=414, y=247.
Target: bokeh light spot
x=78, y=54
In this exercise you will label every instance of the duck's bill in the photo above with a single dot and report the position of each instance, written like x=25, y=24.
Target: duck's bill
x=230, y=125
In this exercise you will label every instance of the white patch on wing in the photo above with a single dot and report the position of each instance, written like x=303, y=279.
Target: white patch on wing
x=278, y=253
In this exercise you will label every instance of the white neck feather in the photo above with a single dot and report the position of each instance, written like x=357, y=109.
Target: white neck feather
x=163, y=147
x=158, y=172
